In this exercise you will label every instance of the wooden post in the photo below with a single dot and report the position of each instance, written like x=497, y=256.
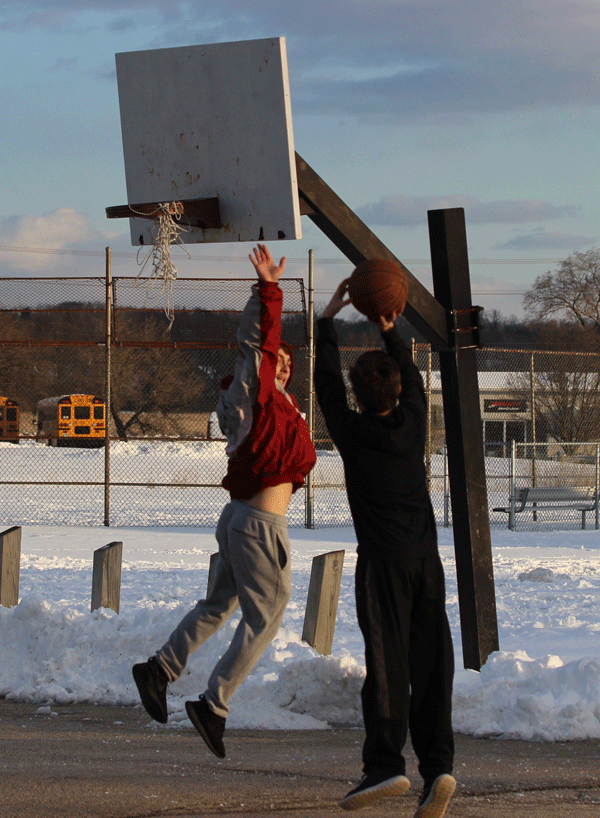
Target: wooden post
x=211, y=573
x=106, y=579
x=10, y=563
x=322, y=602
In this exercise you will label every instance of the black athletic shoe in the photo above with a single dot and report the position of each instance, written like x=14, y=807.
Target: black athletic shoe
x=152, y=685
x=436, y=797
x=210, y=726
x=373, y=786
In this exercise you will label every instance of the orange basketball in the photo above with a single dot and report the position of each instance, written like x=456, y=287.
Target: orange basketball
x=378, y=287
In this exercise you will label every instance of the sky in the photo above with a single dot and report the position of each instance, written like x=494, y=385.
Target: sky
x=401, y=106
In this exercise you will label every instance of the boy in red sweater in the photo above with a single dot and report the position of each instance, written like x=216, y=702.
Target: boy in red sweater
x=270, y=453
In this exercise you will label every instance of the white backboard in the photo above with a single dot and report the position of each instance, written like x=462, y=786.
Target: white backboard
x=211, y=120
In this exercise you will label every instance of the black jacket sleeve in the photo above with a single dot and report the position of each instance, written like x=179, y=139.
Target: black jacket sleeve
x=412, y=382
x=329, y=382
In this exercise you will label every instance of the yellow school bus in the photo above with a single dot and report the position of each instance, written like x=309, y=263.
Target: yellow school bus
x=72, y=420
x=9, y=420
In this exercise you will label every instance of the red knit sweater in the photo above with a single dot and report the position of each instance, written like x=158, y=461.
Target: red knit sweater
x=268, y=442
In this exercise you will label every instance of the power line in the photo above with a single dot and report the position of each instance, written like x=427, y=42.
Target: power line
x=329, y=261
x=474, y=291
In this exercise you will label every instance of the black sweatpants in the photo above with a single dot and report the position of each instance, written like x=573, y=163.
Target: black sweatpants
x=410, y=664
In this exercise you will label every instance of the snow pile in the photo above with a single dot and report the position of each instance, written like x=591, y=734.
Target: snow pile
x=543, y=685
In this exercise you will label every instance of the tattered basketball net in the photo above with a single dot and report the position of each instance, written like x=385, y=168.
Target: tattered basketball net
x=168, y=232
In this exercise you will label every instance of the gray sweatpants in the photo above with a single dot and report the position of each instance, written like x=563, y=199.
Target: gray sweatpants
x=253, y=572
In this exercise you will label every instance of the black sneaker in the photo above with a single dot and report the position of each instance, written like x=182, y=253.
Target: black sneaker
x=210, y=726
x=436, y=797
x=152, y=685
x=373, y=786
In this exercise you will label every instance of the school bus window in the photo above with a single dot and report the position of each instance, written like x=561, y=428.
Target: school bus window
x=82, y=412
x=98, y=412
x=65, y=413
x=11, y=414
x=1, y=414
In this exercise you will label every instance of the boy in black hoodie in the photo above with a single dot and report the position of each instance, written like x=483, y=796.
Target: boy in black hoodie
x=400, y=594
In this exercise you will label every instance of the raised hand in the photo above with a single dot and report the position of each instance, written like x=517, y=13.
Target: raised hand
x=338, y=300
x=385, y=322
x=265, y=267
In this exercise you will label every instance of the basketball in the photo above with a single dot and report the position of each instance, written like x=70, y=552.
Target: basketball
x=378, y=287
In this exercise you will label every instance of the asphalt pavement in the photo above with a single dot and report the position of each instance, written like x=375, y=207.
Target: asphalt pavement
x=89, y=761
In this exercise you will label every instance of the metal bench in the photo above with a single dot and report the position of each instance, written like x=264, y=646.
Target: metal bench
x=532, y=498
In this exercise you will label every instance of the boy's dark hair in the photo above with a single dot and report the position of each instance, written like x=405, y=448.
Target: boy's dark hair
x=376, y=381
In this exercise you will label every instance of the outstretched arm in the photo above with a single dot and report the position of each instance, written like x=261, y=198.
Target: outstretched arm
x=329, y=382
x=258, y=338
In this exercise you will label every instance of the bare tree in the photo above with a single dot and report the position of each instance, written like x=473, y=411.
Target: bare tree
x=153, y=392
x=571, y=292
x=567, y=400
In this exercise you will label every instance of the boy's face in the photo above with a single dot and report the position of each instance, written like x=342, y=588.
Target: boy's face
x=284, y=367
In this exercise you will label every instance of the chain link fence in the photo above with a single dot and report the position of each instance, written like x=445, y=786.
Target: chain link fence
x=110, y=338
x=164, y=461
x=540, y=414
x=546, y=402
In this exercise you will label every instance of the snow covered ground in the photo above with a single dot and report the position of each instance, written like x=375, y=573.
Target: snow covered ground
x=543, y=684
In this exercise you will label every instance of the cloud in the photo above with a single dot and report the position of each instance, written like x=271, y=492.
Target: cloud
x=59, y=230
x=67, y=64
x=121, y=24
x=545, y=240
x=417, y=59
x=442, y=57
x=409, y=211
x=450, y=90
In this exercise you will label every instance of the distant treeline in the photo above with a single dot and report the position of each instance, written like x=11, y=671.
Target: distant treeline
x=73, y=321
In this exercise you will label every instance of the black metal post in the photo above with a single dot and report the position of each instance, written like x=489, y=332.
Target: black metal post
x=462, y=414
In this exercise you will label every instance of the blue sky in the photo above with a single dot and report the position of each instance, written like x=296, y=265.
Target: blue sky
x=400, y=105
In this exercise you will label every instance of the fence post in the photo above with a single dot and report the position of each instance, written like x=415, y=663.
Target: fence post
x=597, y=481
x=428, y=444
x=108, y=386
x=212, y=566
x=10, y=563
x=106, y=577
x=446, y=492
x=533, y=423
x=310, y=416
x=322, y=601
x=512, y=498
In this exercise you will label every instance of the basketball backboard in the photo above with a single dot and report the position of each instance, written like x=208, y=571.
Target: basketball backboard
x=207, y=121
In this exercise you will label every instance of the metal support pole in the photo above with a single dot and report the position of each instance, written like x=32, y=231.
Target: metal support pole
x=511, y=496
x=446, y=491
x=108, y=387
x=466, y=463
x=533, y=429
x=532, y=401
x=310, y=415
x=597, y=482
